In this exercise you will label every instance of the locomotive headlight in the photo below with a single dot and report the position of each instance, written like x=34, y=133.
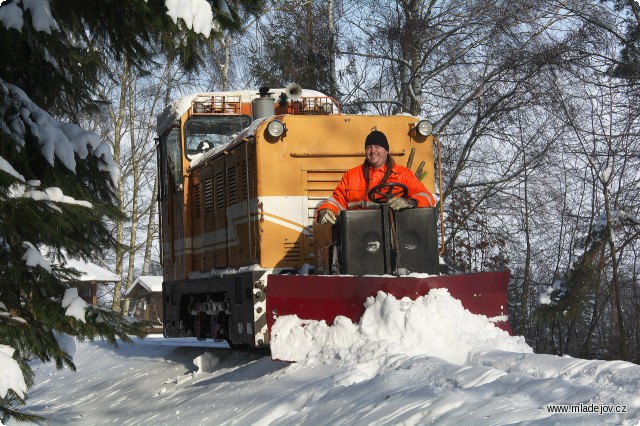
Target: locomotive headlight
x=275, y=128
x=424, y=127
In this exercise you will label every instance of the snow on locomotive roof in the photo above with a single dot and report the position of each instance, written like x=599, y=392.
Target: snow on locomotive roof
x=174, y=110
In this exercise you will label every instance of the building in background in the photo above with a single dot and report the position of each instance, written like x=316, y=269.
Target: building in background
x=91, y=277
x=146, y=298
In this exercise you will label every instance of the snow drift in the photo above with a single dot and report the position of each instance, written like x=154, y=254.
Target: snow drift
x=408, y=362
x=435, y=324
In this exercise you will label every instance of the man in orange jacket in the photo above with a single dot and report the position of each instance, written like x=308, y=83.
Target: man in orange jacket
x=378, y=167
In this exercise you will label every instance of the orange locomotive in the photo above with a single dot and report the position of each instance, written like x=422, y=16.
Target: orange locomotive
x=241, y=176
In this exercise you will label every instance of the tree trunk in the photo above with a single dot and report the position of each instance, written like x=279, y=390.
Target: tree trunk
x=524, y=301
x=136, y=159
x=412, y=52
x=117, y=149
x=615, y=282
x=333, y=89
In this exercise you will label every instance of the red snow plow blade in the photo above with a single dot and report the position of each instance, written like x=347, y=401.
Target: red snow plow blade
x=323, y=297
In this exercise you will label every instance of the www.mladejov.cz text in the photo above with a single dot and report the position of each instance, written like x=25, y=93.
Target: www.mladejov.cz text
x=587, y=408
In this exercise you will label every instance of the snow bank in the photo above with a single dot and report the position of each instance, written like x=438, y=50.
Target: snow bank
x=433, y=325
x=153, y=382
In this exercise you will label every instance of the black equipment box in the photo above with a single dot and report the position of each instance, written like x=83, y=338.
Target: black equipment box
x=379, y=242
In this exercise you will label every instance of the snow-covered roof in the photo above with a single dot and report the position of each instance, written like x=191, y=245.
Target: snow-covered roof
x=145, y=284
x=92, y=272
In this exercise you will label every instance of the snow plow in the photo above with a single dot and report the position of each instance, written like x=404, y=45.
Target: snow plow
x=241, y=175
x=379, y=250
x=323, y=298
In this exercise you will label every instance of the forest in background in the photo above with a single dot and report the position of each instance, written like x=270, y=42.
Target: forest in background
x=535, y=104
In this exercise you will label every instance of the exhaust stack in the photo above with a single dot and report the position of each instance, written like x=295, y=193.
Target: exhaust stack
x=263, y=106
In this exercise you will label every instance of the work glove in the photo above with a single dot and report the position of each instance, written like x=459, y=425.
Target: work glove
x=399, y=203
x=326, y=216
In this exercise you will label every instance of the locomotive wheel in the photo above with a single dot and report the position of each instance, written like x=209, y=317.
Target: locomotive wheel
x=200, y=326
x=383, y=192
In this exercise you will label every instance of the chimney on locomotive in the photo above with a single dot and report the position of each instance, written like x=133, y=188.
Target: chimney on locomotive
x=264, y=106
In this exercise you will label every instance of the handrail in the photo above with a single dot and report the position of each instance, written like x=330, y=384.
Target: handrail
x=443, y=250
x=338, y=154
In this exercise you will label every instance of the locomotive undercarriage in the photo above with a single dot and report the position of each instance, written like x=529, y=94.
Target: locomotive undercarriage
x=210, y=316
x=225, y=307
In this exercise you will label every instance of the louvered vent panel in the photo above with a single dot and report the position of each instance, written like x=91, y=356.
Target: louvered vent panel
x=320, y=186
x=197, y=206
x=320, y=183
x=232, y=185
x=292, y=251
x=219, y=199
x=243, y=177
x=208, y=195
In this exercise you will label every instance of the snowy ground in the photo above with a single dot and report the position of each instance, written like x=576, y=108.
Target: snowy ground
x=352, y=377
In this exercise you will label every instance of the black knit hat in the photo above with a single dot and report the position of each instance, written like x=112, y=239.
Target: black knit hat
x=377, y=138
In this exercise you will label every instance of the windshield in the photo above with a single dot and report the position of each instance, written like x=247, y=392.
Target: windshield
x=203, y=133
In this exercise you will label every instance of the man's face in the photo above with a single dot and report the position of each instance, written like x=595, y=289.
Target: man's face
x=376, y=155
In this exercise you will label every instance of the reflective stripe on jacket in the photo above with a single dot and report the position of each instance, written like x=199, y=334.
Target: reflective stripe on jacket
x=350, y=192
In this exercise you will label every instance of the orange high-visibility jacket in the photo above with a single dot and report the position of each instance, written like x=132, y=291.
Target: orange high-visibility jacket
x=350, y=192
